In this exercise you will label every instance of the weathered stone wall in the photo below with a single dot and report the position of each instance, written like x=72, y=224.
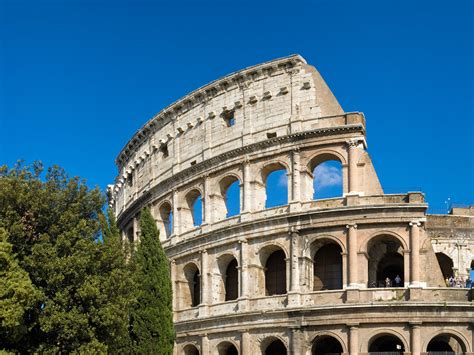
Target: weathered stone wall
x=281, y=115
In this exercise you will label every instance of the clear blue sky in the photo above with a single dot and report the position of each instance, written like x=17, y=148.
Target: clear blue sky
x=78, y=78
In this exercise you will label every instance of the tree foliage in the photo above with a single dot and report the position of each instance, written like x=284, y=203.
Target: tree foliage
x=68, y=286
x=152, y=317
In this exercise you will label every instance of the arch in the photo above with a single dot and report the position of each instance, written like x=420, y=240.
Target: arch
x=326, y=344
x=190, y=349
x=275, y=273
x=322, y=156
x=273, y=346
x=227, y=348
x=192, y=294
x=387, y=342
x=275, y=185
x=166, y=218
x=231, y=195
x=365, y=247
x=385, y=261
x=195, y=206
x=319, y=241
x=327, y=267
x=446, y=264
x=451, y=337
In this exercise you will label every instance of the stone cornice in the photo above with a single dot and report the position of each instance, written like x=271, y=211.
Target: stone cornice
x=202, y=95
x=203, y=166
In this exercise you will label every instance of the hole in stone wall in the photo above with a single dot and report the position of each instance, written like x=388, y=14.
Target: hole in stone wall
x=229, y=118
x=271, y=135
x=164, y=150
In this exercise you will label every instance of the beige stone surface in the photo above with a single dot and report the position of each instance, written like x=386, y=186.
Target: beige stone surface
x=287, y=118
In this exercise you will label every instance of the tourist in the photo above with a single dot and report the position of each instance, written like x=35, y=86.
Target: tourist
x=398, y=281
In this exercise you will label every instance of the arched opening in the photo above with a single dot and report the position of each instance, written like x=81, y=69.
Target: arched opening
x=276, y=347
x=326, y=345
x=190, y=350
x=166, y=216
x=386, y=344
x=232, y=281
x=275, y=274
x=227, y=348
x=194, y=201
x=386, y=266
x=230, y=190
x=445, y=344
x=327, y=179
x=276, y=187
x=192, y=295
x=446, y=264
x=327, y=268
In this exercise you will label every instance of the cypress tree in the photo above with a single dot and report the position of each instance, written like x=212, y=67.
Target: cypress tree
x=152, y=317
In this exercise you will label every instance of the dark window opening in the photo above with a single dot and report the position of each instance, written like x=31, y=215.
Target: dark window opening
x=446, y=265
x=328, y=268
x=229, y=118
x=326, y=345
x=271, y=135
x=276, y=348
x=388, y=344
x=130, y=180
x=232, y=281
x=275, y=274
x=196, y=299
x=164, y=150
x=193, y=162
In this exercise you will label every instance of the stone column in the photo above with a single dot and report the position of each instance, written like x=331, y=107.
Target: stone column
x=415, y=253
x=353, y=262
x=296, y=342
x=173, y=284
x=243, y=269
x=353, y=339
x=176, y=214
x=247, y=196
x=204, y=345
x=204, y=278
x=136, y=229
x=207, y=208
x=415, y=338
x=295, y=177
x=294, y=260
x=353, y=156
x=245, y=342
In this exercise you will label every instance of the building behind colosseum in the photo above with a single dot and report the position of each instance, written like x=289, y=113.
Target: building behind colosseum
x=307, y=276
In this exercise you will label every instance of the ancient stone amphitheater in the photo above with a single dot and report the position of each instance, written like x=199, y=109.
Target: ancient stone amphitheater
x=308, y=276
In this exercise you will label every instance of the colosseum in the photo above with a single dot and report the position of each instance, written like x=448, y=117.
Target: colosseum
x=360, y=273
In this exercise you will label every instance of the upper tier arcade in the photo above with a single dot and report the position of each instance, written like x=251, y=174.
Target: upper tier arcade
x=271, y=103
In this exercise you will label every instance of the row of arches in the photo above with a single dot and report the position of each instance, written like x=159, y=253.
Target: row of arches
x=385, y=260
x=227, y=201
x=383, y=343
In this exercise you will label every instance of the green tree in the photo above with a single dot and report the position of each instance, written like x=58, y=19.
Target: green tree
x=17, y=294
x=80, y=271
x=152, y=316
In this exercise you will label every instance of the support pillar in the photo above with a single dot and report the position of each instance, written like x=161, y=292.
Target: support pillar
x=296, y=342
x=173, y=284
x=295, y=177
x=247, y=186
x=243, y=269
x=176, y=214
x=353, y=157
x=354, y=339
x=245, y=342
x=353, y=262
x=204, y=345
x=415, y=338
x=415, y=254
x=205, y=285
x=207, y=215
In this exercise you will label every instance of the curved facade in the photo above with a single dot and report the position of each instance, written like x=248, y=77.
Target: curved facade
x=307, y=276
